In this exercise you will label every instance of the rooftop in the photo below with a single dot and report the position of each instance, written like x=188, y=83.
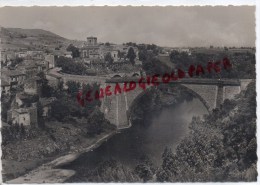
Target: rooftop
x=21, y=110
x=23, y=96
x=12, y=73
x=47, y=101
x=4, y=83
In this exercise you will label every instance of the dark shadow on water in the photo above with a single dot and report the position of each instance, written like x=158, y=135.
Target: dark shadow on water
x=166, y=128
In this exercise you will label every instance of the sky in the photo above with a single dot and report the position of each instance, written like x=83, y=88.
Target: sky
x=164, y=26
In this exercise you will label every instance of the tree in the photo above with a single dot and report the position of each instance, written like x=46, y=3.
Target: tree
x=96, y=122
x=168, y=159
x=23, y=130
x=109, y=58
x=142, y=55
x=221, y=147
x=60, y=110
x=71, y=67
x=16, y=61
x=131, y=55
x=145, y=170
x=73, y=87
x=74, y=50
x=168, y=167
x=40, y=115
x=120, y=54
x=46, y=90
x=60, y=85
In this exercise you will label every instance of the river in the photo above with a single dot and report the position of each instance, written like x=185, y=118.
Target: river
x=166, y=128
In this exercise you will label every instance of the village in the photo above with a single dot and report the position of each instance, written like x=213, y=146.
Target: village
x=23, y=71
x=20, y=76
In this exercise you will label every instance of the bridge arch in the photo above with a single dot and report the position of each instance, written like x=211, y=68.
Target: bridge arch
x=195, y=94
x=135, y=75
x=142, y=93
x=117, y=76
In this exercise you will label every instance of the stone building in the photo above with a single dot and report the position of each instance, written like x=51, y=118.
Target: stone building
x=91, y=41
x=35, y=54
x=21, y=54
x=53, y=80
x=114, y=54
x=51, y=60
x=7, y=57
x=13, y=77
x=23, y=100
x=68, y=54
x=23, y=116
x=43, y=65
x=23, y=110
x=91, y=52
x=91, y=49
x=30, y=69
x=5, y=87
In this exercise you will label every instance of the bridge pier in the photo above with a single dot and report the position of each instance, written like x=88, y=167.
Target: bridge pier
x=220, y=96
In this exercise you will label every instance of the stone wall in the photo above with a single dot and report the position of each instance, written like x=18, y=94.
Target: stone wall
x=51, y=61
x=244, y=83
x=229, y=92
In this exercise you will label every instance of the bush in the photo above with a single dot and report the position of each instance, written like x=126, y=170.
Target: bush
x=96, y=122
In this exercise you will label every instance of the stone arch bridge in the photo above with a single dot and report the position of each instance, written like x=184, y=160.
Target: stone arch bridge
x=211, y=92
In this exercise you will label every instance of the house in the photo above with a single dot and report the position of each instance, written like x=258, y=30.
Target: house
x=91, y=41
x=23, y=116
x=23, y=110
x=68, y=54
x=13, y=77
x=38, y=55
x=23, y=100
x=29, y=69
x=21, y=54
x=43, y=65
x=53, y=80
x=91, y=49
x=51, y=60
x=114, y=54
x=7, y=57
x=138, y=62
x=5, y=87
x=184, y=50
x=90, y=52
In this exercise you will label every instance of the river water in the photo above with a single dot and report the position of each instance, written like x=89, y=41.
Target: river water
x=166, y=128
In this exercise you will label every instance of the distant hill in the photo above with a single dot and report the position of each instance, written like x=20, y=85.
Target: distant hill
x=18, y=38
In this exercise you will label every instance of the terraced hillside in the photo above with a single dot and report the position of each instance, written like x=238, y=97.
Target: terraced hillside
x=18, y=38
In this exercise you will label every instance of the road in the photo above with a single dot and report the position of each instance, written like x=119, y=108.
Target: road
x=79, y=78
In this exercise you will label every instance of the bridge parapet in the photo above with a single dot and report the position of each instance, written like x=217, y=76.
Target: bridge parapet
x=231, y=82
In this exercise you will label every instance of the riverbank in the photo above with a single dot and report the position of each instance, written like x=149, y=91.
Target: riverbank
x=50, y=172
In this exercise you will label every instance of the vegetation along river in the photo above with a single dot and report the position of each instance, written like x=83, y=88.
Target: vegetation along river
x=148, y=136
